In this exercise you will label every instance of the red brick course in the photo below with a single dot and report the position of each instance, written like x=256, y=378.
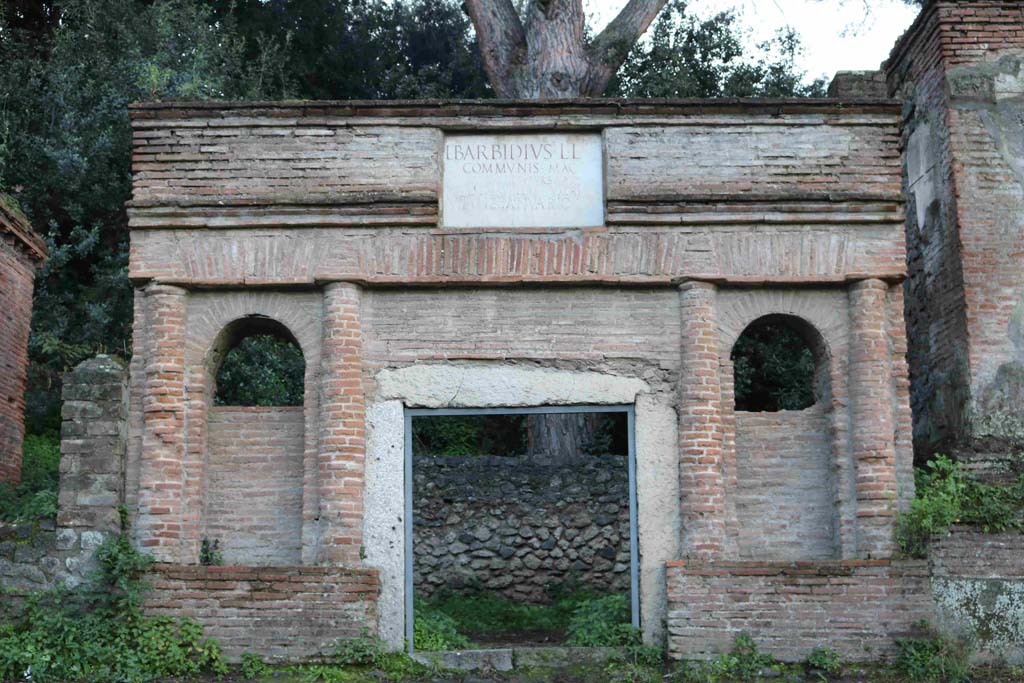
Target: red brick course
x=253, y=494
x=342, y=456
x=278, y=612
x=701, y=463
x=857, y=607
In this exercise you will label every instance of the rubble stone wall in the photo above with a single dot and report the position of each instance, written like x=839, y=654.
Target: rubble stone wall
x=517, y=526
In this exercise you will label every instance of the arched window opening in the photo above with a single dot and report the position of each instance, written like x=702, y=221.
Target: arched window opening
x=255, y=435
x=263, y=366
x=776, y=365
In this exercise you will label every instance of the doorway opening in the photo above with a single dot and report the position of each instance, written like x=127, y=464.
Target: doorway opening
x=520, y=527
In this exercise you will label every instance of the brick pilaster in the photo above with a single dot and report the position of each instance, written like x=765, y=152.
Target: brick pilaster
x=701, y=475
x=161, y=470
x=342, y=426
x=871, y=406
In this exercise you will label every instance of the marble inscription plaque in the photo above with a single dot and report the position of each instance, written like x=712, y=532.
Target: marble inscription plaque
x=545, y=180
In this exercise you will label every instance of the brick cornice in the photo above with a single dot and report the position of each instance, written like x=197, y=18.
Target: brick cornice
x=15, y=224
x=432, y=109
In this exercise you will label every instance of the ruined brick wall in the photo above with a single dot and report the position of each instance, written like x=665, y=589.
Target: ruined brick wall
x=253, y=496
x=857, y=607
x=978, y=589
x=21, y=253
x=280, y=612
x=959, y=69
x=48, y=553
x=521, y=527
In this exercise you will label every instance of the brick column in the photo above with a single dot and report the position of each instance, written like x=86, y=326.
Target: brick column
x=161, y=471
x=701, y=475
x=871, y=407
x=342, y=426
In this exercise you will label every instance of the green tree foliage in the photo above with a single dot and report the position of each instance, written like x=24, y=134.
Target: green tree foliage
x=262, y=371
x=367, y=49
x=65, y=151
x=469, y=435
x=773, y=369
x=689, y=57
x=35, y=496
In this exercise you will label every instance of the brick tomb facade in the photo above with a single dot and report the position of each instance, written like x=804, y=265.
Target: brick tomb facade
x=395, y=245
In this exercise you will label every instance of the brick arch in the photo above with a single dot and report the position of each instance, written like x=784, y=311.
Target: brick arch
x=214, y=320
x=801, y=449
x=747, y=307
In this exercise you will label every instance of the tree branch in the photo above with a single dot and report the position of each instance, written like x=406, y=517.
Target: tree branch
x=613, y=44
x=502, y=39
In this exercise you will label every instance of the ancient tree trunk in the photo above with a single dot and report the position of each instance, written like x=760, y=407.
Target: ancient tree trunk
x=561, y=438
x=544, y=53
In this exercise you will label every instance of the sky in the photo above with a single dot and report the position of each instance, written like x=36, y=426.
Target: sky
x=838, y=35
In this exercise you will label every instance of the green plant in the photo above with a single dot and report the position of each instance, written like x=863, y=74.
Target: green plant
x=481, y=613
x=602, y=622
x=743, y=663
x=824, y=661
x=327, y=673
x=253, y=666
x=99, y=633
x=365, y=650
x=435, y=630
x=946, y=495
x=210, y=554
x=932, y=659
x=35, y=497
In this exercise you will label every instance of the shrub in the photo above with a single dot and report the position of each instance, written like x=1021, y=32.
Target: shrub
x=434, y=630
x=824, y=660
x=743, y=663
x=946, y=495
x=253, y=666
x=36, y=496
x=98, y=632
x=602, y=622
x=932, y=659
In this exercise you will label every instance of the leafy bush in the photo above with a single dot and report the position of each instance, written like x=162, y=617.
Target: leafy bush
x=932, y=659
x=602, y=622
x=253, y=666
x=825, y=660
x=946, y=495
x=435, y=630
x=98, y=632
x=743, y=663
x=36, y=496
x=366, y=650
